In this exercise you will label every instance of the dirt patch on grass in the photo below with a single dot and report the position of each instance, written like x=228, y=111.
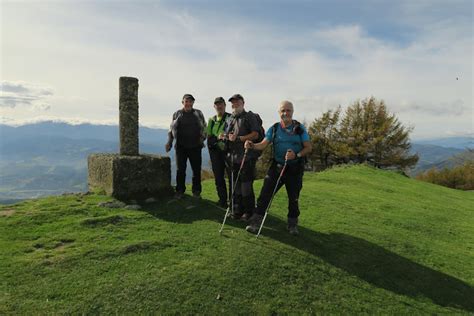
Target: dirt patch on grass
x=7, y=212
x=102, y=221
x=144, y=246
x=63, y=243
x=60, y=247
x=38, y=245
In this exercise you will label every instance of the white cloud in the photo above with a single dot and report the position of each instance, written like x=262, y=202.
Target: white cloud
x=45, y=118
x=173, y=53
x=41, y=107
x=22, y=93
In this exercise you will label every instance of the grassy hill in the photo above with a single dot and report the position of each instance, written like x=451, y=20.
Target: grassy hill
x=371, y=242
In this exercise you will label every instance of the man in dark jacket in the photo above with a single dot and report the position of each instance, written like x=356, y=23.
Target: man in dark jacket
x=188, y=128
x=217, y=153
x=242, y=126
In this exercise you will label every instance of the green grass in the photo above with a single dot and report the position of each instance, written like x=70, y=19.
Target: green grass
x=371, y=242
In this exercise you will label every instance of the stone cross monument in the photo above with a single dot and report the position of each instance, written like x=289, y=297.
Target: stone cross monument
x=129, y=175
x=128, y=124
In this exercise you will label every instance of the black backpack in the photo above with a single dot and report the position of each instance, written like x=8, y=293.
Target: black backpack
x=261, y=132
x=297, y=130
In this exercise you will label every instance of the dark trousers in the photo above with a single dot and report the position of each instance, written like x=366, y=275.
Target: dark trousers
x=292, y=179
x=195, y=159
x=244, y=196
x=219, y=168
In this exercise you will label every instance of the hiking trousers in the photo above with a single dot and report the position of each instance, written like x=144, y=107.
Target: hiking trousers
x=244, y=196
x=292, y=179
x=219, y=168
x=195, y=159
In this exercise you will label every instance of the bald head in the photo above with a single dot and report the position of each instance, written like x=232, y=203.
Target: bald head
x=286, y=112
x=286, y=104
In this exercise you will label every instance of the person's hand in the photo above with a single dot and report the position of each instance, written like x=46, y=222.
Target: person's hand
x=232, y=137
x=290, y=155
x=168, y=147
x=221, y=136
x=248, y=144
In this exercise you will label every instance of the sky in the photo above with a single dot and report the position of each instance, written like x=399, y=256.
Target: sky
x=61, y=60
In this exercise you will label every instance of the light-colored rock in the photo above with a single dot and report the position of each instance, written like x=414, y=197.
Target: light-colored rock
x=112, y=204
x=133, y=207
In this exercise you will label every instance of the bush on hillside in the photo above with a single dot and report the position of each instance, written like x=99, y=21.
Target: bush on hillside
x=206, y=174
x=460, y=177
x=264, y=162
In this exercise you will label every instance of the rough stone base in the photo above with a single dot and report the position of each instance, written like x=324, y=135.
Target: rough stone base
x=130, y=177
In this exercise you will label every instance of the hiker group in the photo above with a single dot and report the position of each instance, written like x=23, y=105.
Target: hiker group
x=235, y=142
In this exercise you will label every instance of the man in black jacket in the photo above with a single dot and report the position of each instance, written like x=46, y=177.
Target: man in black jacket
x=188, y=128
x=242, y=126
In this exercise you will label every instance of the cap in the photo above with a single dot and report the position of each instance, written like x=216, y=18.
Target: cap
x=188, y=96
x=236, y=97
x=219, y=100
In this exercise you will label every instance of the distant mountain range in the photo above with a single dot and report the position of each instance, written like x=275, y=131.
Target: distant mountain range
x=430, y=155
x=81, y=131
x=51, y=158
x=451, y=142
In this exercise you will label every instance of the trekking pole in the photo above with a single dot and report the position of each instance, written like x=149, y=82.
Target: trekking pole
x=233, y=186
x=231, y=192
x=271, y=199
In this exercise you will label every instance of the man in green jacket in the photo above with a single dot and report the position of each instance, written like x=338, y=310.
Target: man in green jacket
x=217, y=152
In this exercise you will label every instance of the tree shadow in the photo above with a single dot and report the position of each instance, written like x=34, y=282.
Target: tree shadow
x=356, y=256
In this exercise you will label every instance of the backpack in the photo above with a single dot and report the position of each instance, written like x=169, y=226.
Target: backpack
x=261, y=132
x=296, y=129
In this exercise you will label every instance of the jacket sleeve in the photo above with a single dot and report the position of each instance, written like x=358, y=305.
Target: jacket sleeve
x=208, y=128
x=203, y=125
x=172, y=129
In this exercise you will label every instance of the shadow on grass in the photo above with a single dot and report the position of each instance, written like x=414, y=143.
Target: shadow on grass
x=354, y=255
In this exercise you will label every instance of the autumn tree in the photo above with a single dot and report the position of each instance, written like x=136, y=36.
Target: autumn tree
x=366, y=133
x=325, y=138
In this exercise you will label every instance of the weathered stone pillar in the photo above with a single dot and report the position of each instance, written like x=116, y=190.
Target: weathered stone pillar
x=128, y=175
x=128, y=123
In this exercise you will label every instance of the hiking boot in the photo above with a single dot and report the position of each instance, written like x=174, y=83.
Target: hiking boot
x=293, y=226
x=293, y=231
x=245, y=217
x=197, y=195
x=179, y=195
x=236, y=215
x=254, y=223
